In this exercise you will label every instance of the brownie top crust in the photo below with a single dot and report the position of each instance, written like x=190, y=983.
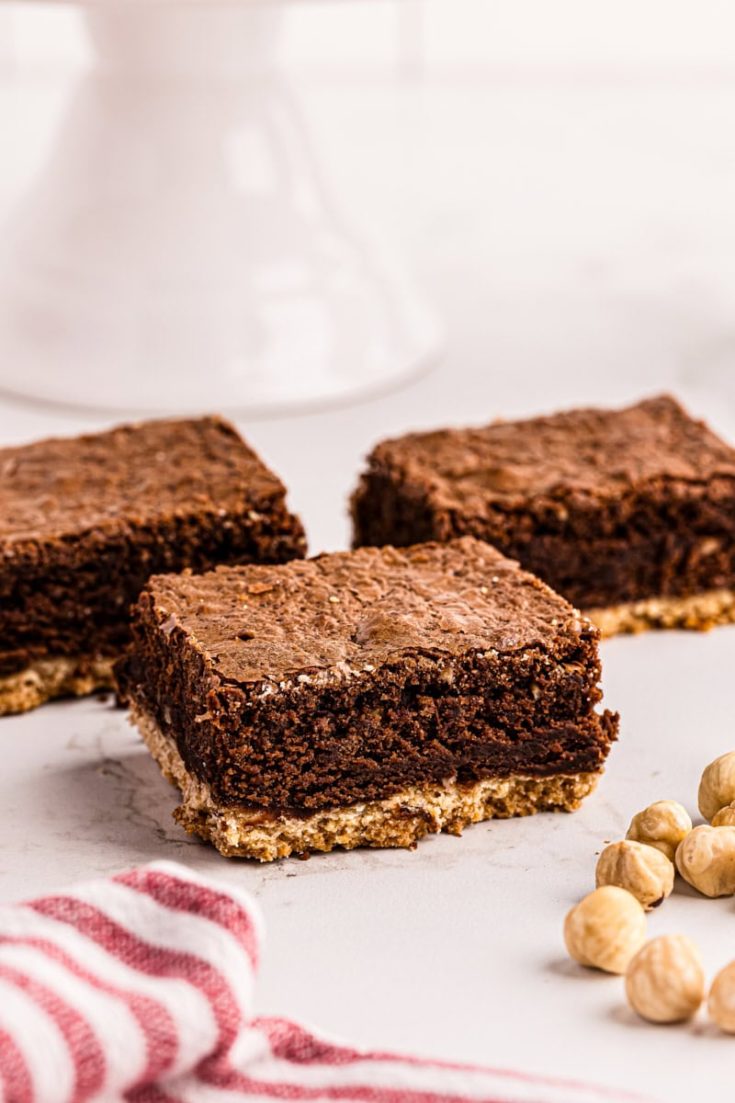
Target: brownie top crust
x=60, y=488
x=580, y=454
x=353, y=612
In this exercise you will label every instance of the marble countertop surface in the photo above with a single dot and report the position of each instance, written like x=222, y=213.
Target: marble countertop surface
x=453, y=950
x=578, y=240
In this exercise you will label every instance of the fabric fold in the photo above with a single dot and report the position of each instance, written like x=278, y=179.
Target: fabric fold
x=141, y=988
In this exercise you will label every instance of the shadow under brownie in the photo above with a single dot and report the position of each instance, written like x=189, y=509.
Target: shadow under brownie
x=85, y=521
x=630, y=514
x=364, y=698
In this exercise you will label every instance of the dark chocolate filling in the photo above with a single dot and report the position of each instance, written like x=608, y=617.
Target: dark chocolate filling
x=666, y=539
x=312, y=747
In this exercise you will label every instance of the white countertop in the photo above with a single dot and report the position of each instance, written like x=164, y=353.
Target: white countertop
x=577, y=236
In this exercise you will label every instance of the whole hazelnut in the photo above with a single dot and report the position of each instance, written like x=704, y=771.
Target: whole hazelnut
x=664, y=982
x=717, y=787
x=725, y=817
x=605, y=929
x=662, y=824
x=721, y=1003
x=706, y=859
x=642, y=870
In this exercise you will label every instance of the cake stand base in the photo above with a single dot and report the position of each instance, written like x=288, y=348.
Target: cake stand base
x=181, y=250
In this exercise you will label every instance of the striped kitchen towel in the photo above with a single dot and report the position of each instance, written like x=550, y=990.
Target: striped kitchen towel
x=140, y=988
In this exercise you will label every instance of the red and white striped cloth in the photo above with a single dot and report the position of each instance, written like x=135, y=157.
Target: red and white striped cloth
x=140, y=988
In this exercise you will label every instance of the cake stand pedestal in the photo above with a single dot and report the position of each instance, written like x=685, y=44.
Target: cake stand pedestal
x=180, y=250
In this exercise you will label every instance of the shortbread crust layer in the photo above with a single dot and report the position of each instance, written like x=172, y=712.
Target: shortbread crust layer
x=398, y=821
x=698, y=612
x=47, y=679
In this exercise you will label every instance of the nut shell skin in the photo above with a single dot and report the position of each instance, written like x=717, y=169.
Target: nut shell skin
x=641, y=869
x=721, y=1002
x=706, y=860
x=664, y=982
x=663, y=824
x=725, y=817
x=605, y=929
x=717, y=786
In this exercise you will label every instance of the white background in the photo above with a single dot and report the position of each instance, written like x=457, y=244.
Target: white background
x=560, y=178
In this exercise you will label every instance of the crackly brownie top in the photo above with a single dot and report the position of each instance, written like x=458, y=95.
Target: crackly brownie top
x=354, y=611
x=580, y=453
x=131, y=474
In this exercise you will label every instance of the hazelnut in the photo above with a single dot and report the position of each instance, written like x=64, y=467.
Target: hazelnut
x=663, y=825
x=725, y=817
x=664, y=982
x=706, y=859
x=605, y=929
x=721, y=1003
x=717, y=787
x=642, y=870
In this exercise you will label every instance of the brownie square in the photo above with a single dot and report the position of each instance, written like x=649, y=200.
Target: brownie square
x=364, y=698
x=85, y=521
x=630, y=514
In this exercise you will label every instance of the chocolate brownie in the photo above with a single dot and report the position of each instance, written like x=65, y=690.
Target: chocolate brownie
x=364, y=698
x=630, y=514
x=85, y=521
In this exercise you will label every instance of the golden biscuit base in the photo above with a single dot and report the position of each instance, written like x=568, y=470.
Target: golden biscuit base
x=47, y=679
x=699, y=612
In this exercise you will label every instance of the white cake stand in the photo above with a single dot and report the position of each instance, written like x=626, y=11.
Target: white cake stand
x=180, y=250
